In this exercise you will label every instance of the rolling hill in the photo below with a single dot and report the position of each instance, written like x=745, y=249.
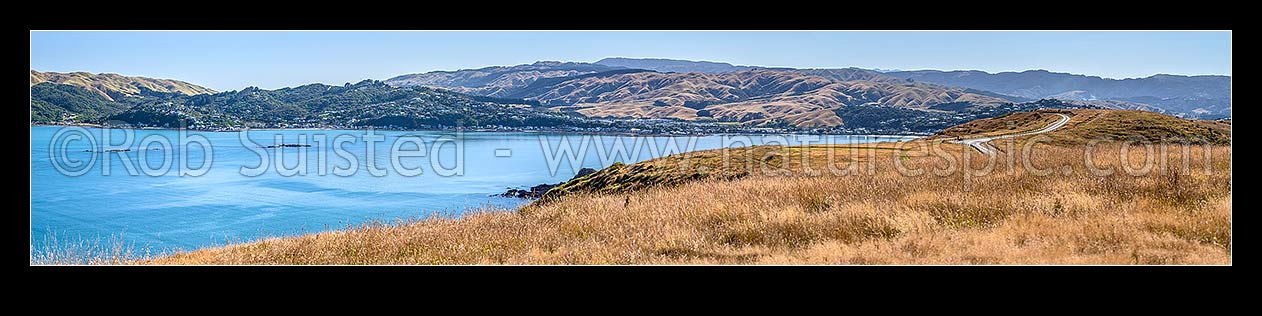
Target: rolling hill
x=112, y=86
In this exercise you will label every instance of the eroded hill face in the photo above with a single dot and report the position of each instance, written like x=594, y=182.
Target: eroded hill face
x=754, y=97
x=111, y=86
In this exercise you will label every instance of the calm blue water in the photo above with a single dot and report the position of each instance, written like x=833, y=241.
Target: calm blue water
x=226, y=204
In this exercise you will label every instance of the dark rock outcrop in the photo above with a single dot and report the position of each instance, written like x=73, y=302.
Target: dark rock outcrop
x=538, y=190
x=287, y=145
x=583, y=173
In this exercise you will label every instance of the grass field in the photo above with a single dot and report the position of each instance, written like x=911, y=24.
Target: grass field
x=920, y=202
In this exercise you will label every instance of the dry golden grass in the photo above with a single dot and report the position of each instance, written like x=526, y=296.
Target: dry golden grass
x=1000, y=125
x=1128, y=125
x=728, y=164
x=106, y=250
x=1178, y=214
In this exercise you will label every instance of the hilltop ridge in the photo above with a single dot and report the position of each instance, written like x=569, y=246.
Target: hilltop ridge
x=112, y=86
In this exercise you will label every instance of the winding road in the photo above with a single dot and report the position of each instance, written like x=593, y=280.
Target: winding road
x=980, y=142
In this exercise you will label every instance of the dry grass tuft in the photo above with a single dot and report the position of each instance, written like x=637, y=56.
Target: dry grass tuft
x=113, y=249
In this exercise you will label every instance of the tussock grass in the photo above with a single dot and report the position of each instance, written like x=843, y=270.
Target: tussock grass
x=107, y=250
x=1172, y=215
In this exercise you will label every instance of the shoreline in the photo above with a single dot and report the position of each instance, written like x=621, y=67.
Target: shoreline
x=94, y=125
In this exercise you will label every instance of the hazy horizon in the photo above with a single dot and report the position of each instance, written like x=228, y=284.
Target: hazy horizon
x=232, y=60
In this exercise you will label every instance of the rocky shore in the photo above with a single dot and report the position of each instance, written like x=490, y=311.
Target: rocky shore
x=537, y=191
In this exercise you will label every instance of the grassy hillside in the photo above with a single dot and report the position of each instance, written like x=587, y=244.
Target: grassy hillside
x=61, y=102
x=727, y=164
x=854, y=204
x=1004, y=124
x=1086, y=125
x=1120, y=125
x=110, y=86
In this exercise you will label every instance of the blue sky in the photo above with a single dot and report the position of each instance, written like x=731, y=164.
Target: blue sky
x=234, y=60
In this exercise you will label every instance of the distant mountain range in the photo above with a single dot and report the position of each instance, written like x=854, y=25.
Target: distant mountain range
x=552, y=93
x=1191, y=96
x=1195, y=96
x=112, y=86
x=671, y=65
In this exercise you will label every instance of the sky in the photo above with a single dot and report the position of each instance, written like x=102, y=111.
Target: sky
x=232, y=60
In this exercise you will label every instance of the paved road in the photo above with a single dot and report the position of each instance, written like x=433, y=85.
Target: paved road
x=980, y=142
